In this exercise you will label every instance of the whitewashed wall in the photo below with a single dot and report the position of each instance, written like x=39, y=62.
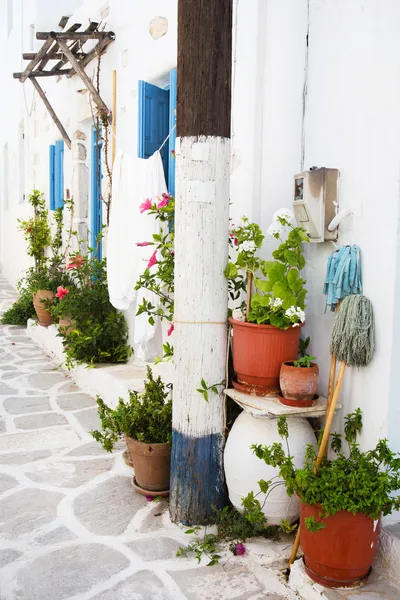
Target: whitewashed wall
x=332, y=103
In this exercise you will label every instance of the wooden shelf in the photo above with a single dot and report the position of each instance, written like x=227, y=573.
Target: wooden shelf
x=269, y=407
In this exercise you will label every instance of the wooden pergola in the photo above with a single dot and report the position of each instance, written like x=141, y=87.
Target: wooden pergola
x=66, y=55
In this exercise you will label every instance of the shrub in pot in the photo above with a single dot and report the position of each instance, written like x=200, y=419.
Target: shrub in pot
x=268, y=334
x=342, y=504
x=298, y=381
x=146, y=422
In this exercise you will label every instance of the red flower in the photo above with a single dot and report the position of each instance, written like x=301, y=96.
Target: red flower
x=236, y=241
x=163, y=202
x=173, y=153
x=144, y=243
x=76, y=262
x=152, y=260
x=28, y=229
x=61, y=292
x=171, y=329
x=146, y=205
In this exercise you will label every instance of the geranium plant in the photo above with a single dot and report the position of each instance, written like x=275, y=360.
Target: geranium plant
x=279, y=297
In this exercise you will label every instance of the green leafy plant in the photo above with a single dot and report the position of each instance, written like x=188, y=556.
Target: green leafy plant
x=145, y=417
x=357, y=482
x=36, y=230
x=20, y=311
x=204, y=389
x=279, y=298
x=303, y=346
x=233, y=529
x=304, y=361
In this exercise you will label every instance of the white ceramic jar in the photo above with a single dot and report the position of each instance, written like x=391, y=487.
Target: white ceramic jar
x=243, y=469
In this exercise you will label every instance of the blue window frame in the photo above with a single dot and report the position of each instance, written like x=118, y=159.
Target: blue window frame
x=157, y=117
x=96, y=212
x=56, y=173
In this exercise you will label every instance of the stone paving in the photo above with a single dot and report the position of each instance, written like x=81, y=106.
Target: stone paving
x=71, y=525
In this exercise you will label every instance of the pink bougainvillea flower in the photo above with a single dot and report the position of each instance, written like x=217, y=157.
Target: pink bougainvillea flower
x=149, y=498
x=239, y=549
x=146, y=205
x=76, y=262
x=143, y=244
x=61, y=292
x=152, y=260
x=171, y=329
x=163, y=202
x=236, y=241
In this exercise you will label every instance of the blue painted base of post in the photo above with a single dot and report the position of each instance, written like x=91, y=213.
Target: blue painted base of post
x=197, y=478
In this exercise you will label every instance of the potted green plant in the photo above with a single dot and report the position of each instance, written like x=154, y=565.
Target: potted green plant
x=146, y=422
x=341, y=503
x=298, y=379
x=268, y=333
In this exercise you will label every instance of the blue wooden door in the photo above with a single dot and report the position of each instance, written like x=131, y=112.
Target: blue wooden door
x=172, y=139
x=96, y=212
x=56, y=174
x=153, y=122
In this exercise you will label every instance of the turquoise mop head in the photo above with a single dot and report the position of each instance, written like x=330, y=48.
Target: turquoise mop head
x=353, y=332
x=343, y=275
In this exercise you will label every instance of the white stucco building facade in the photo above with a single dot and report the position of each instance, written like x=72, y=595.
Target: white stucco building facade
x=315, y=82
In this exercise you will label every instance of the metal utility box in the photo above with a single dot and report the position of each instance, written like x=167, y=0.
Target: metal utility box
x=315, y=202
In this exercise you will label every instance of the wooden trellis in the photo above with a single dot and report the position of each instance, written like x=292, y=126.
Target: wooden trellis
x=66, y=54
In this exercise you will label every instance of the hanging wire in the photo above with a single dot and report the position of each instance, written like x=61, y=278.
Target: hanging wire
x=166, y=139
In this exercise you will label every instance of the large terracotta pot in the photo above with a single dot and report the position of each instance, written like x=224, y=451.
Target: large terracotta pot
x=243, y=470
x=298, y=383
x=151, y=463
x=341, y=554
x=44, y=316
x=259, y=351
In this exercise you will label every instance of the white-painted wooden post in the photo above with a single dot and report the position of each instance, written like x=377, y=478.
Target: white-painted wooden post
x=201, y=254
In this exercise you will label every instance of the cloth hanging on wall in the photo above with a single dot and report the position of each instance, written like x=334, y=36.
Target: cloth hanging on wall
x=134, y=180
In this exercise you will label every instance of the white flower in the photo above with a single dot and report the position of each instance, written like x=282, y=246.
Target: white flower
x=247, y=246
x=238, y=314
x=278, y=302
x=283, y=213
x=274, y=229
x=296, y=311
x=296, y=325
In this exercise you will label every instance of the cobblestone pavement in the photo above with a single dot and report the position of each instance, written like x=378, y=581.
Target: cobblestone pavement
x=71, y=525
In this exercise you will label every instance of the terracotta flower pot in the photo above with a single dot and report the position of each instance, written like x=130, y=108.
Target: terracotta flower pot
x=341, y=554
x=44, y=316
x=259, y=351
x=151, y=463
x=299, y=384
x=66, y=325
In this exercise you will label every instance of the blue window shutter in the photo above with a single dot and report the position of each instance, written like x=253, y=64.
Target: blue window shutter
x=172, y=139
x=96, y=219
x=59, y=174
x=153, y=121
x=52, y=152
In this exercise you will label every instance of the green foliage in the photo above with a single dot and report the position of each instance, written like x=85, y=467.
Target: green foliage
x=158, y=278
x=303, y=346
x=100, y=334
x=359, y=482
x=204, y=389
x=146, y=417
x=304, y=361
x=20, y=312
x=36, y=230
x=279, y=298
x=313, y=525
x=233, y=527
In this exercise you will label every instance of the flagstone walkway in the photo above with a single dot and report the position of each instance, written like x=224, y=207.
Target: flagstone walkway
x=71, y=526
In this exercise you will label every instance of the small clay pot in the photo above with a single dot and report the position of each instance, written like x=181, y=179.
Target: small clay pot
x=43, y=315
x=151, y=463
x=299, y=383
x=66, y=325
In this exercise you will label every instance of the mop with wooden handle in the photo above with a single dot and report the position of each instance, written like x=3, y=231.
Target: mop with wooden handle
x=352, y=343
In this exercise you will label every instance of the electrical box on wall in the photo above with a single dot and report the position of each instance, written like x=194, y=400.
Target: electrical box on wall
x=315, y=202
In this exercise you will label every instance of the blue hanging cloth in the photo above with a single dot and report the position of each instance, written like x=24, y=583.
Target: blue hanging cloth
x=343, y=275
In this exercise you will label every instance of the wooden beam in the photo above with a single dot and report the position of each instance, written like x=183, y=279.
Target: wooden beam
x=96, y=35
x=39, y=55
x=45, y=60
x=102, y=107
x=52, y=113
x=76, y=45
x=99, y=48
x=50, y=56
x=35, y=74
x=64, y=21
